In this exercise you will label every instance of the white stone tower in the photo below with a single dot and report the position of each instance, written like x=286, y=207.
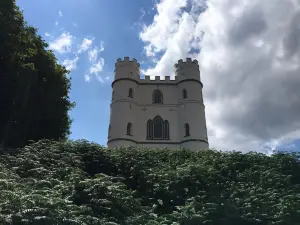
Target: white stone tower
x=157, y=113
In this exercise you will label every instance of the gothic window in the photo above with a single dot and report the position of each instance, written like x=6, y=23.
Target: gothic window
x=130, y=94
x=157, y=97
x=158, y=128
x=187, y=130
x=129, y=129
x=149, y=130
x=184, y=93
x=166, y=130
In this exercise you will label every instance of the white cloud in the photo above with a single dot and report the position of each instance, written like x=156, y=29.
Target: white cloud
x=97, y=67
x=249, y=61
x=87, y=77
x=56, y=23
x=93, y=54
x=71, y=64
x=95, y=70
x=60, y=14
x=63, y=43
x=85, y=45
x=47, y=34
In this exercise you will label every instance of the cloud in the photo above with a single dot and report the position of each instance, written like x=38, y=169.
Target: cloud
x=47, y=34
x=87, y=77
x=249, y=56
x=85, y=45
x=93, y=54
x=60, y=14
x=62, y=44
x=71, y=64
x=95, y=70
x=56, y=23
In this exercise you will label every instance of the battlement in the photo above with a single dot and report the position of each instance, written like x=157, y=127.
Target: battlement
x=188, y=63
x=126, y=61
x=129, y=69
x=158, y=79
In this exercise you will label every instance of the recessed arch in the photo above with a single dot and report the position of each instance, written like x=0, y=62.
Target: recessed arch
x=158, y=127
x=149, y=129
x=157, y=97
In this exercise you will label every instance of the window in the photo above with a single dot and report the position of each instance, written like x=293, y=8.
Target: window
x=113, y=95
x=184, y=93
x=149, y=130
x=157, y=97
x=158, y=129
x=129, y=129
x=187, y=130
x=130, y=94
x=109, y=129
x=166, y=129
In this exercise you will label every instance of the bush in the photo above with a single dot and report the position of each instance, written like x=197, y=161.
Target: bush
x=79, y=182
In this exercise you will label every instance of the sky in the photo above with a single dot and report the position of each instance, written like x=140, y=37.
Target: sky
x=248, y=51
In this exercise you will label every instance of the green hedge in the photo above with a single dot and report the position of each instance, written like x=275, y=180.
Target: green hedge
x=84, y=183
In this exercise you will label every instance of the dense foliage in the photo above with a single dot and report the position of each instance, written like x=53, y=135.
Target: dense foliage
x=82, y=183
x=34, y=88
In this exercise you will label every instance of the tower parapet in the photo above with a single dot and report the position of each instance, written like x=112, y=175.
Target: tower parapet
x=130, y=70
x=127, y=62
x=127, y=68
x=188, y=69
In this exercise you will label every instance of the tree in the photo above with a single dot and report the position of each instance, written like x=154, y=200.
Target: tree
x=34, y=88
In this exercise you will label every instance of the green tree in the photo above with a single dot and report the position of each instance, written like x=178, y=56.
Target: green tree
x=34, y=88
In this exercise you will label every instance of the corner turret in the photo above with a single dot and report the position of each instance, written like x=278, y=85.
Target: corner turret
x=127, y=69
x=187, y=70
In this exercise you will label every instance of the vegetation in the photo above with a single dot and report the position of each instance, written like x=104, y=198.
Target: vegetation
x=34, y=88
x=82, y=183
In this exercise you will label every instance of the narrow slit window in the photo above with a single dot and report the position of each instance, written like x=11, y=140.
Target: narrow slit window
x=129, y=129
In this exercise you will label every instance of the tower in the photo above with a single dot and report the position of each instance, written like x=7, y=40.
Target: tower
x=157, y=113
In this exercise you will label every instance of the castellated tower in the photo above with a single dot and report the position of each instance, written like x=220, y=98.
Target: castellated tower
x=157, y=113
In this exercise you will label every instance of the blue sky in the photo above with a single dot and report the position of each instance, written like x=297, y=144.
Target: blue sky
x=249, y=62
x=112, y=26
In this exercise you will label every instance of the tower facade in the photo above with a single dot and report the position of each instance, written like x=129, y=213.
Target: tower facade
x=157, y=113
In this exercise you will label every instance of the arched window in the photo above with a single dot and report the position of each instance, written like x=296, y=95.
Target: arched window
x=113, y=95
x=158, y=128
x=166, y=130
x=130, y=94
x=187, y=130
x=129, y=129
x=157, y=97
x=184, y=93
x=149, y=130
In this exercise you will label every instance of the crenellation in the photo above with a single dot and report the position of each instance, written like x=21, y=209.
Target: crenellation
x=187, y=64
x=127, y=61
x=182, y=71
